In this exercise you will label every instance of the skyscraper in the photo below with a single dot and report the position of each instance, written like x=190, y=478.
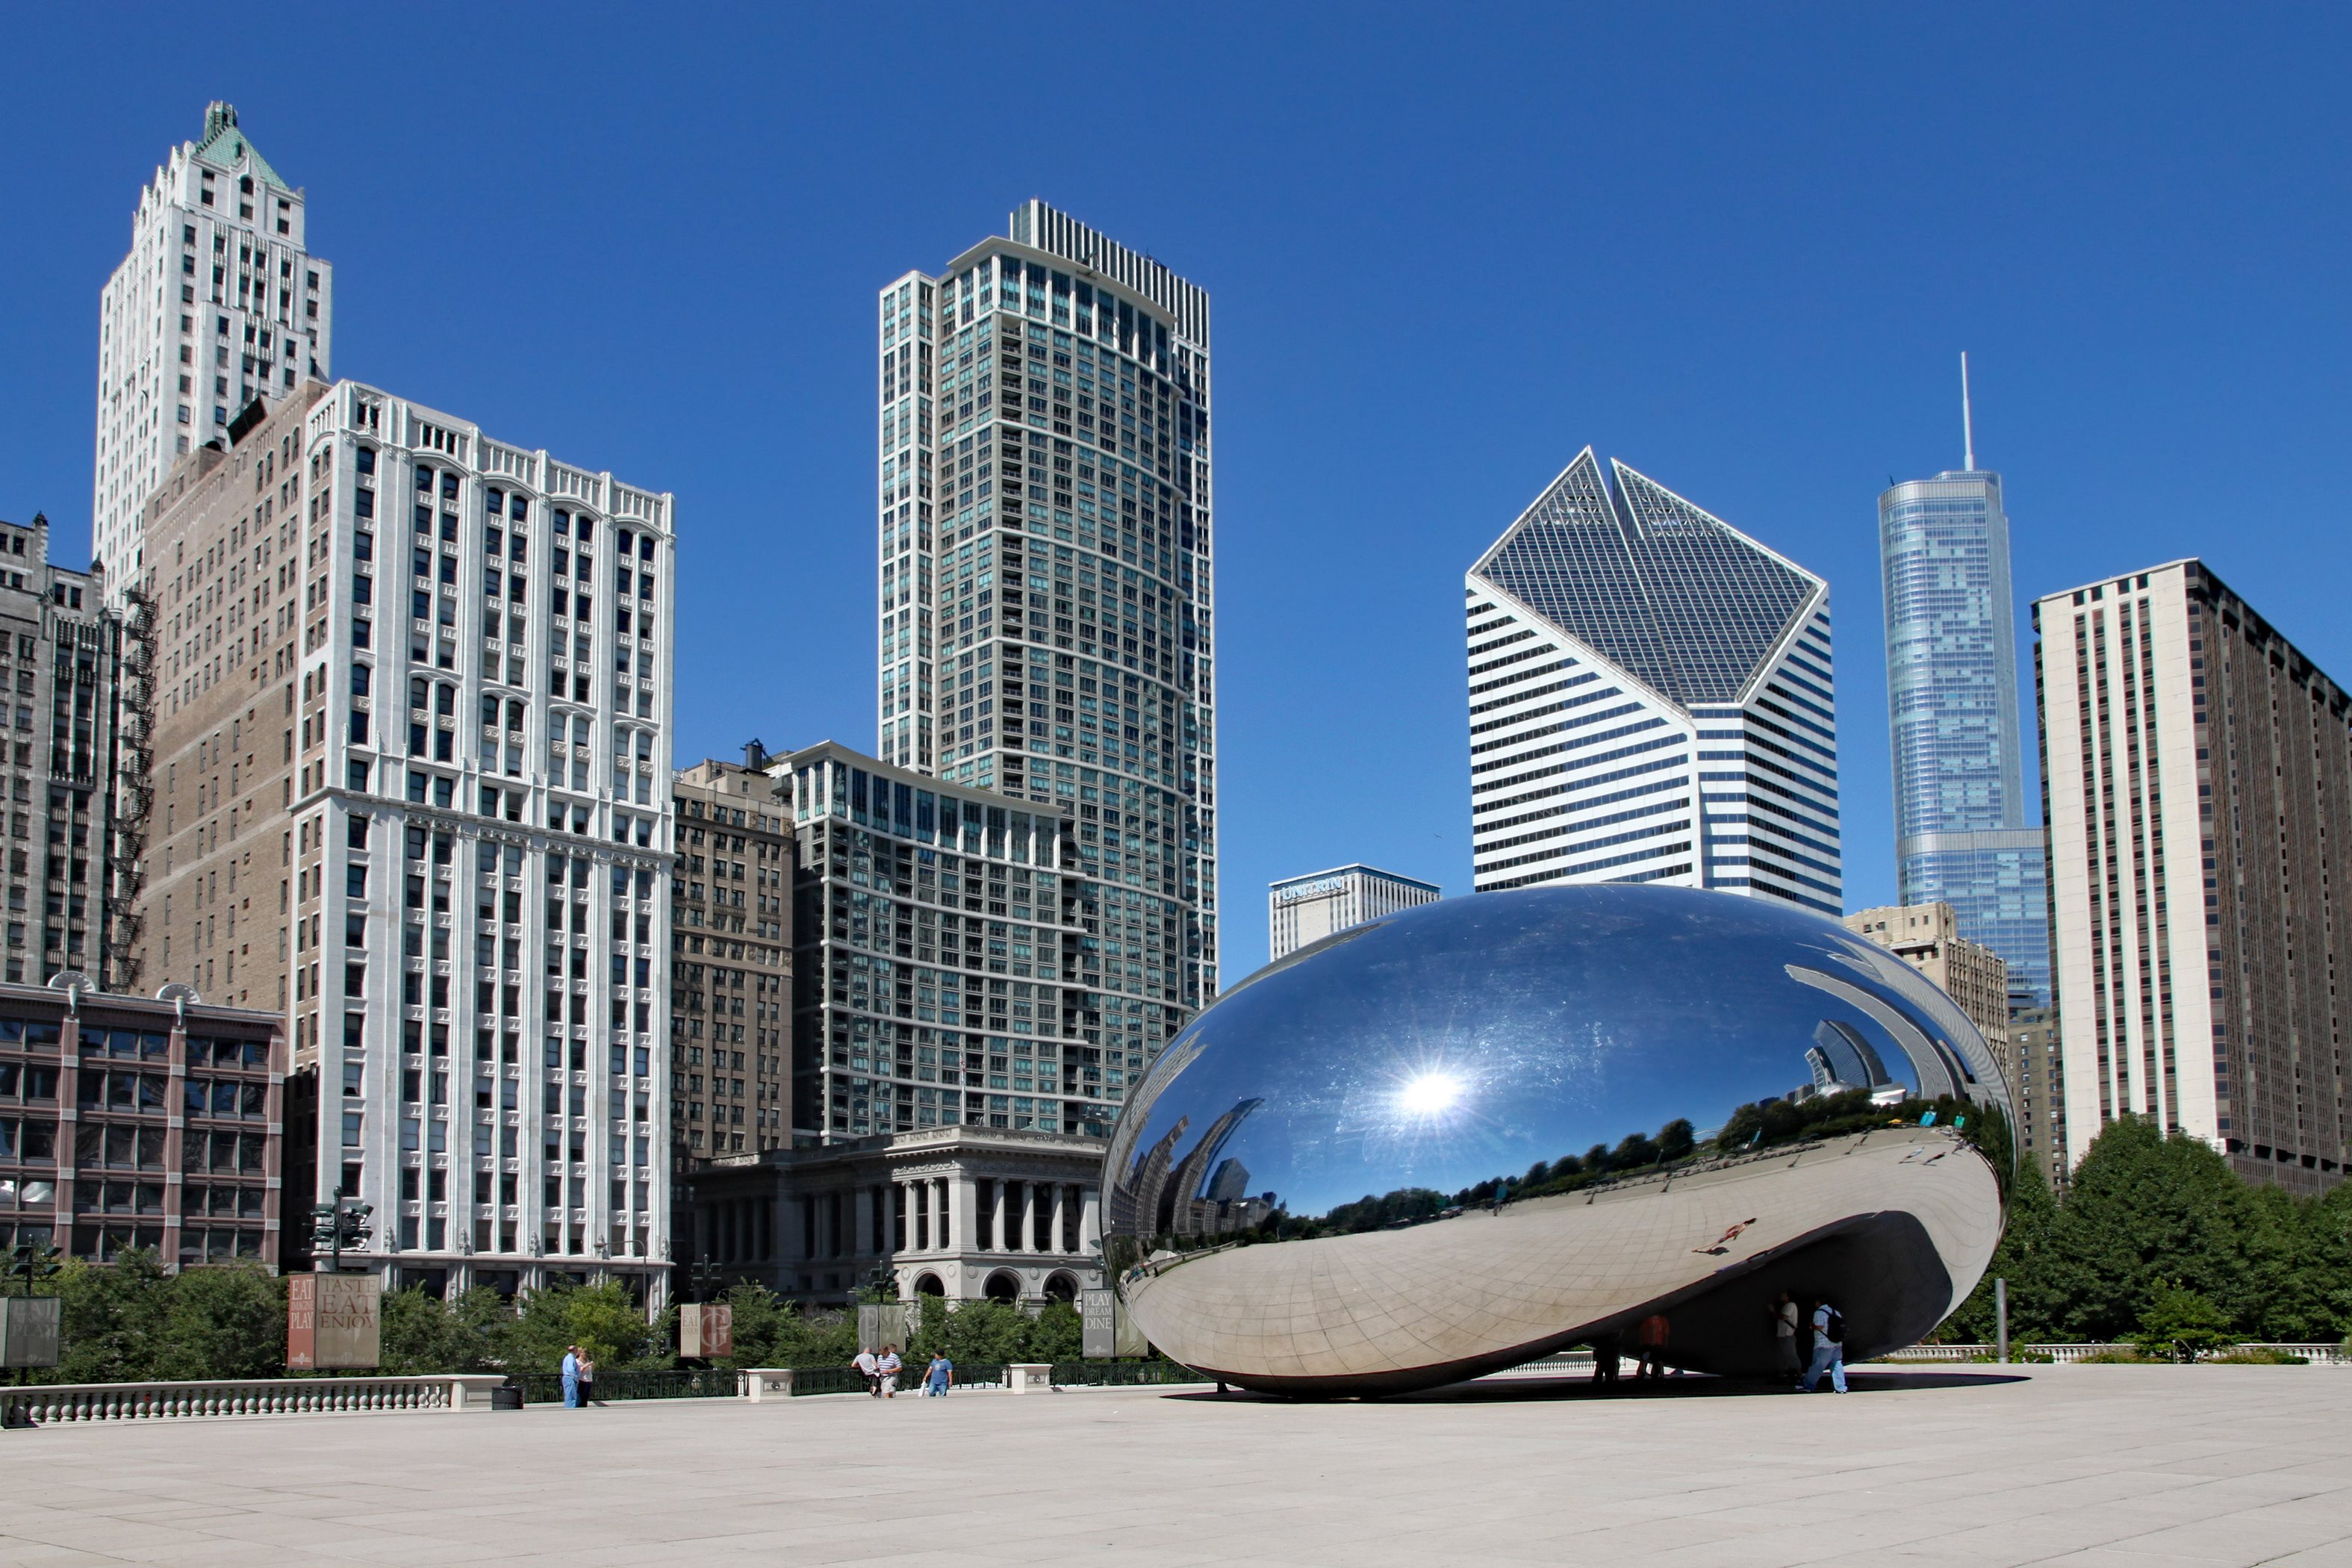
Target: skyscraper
x=1962, y=836
x=1300, y=911
x=1045, y=576
x=419, y=679
x=61, y=655
x=1651, y=700
x=2198, y=779
x=217, y=303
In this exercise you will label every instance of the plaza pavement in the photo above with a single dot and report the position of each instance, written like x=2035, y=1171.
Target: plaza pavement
x=1973, y=1468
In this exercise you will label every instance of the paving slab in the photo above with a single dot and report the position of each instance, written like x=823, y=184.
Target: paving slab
x=2083, y=1466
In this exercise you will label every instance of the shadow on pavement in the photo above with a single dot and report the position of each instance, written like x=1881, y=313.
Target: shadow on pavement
x=1522, y=1390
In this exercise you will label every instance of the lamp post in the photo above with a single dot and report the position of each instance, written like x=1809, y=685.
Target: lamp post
x=339, y=1225
x=704, y=1278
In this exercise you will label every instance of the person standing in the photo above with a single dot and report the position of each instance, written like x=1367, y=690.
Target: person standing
x=869, y=1367
x=1784, y=1336
x=1607, y=1351
x=587, y=1379
x=572, y=1377
x=887, y=1371
x=940, y=1377
x=1829, y=1350
x=1653, y=1335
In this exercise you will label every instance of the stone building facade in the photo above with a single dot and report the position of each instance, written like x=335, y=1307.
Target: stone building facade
x=130, y=1122
x=411, y=783
x=60, y=666
x=2197, y=782
x=967, y=1213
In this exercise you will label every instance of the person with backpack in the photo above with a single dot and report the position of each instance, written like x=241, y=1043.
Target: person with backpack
x=1829, y=1350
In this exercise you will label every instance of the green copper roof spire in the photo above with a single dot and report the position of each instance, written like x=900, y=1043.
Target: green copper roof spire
x=224, y=145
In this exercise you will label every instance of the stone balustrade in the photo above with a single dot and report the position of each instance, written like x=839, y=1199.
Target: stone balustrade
x=67, y=1402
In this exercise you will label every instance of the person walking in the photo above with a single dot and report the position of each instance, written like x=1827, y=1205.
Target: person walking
x=1784, y=1336
x=940, y=1376
x=587, y=1379
x=1829, y=1350
x=869, y=1367
x=886, y=1370
x=1652, y=1336
x=572, y=1377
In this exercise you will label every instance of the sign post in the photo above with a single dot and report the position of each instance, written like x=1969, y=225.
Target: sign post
x=29, y=1330
x=1097, y=1315
x=706, y=1331
x=334, y=1321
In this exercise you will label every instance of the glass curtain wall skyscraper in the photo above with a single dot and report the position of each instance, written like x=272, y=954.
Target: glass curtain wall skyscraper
x=1045, y=581
x=1651, y=700
x=1963, y=834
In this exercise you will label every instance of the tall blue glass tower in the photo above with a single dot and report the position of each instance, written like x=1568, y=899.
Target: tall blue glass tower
x=1963, y=833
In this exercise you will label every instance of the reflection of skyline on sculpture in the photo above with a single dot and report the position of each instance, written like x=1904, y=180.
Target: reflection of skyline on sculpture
x=1556, y=1048
x=1646, y=1056
x=1168, y=1194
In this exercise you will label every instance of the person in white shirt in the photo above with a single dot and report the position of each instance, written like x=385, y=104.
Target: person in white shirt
x=869, y=1367
x=1784, y=1336
x=887, y=1371
x=1829, y=1350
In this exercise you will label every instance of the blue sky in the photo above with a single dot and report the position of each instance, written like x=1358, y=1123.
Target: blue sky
x=1737, y=247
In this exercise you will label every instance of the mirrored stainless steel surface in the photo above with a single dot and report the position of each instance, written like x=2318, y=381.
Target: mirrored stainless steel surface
x=1466, y=1135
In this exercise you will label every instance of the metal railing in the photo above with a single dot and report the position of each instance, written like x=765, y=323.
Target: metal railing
x=81, y=1402
x=1121, y=1373
x=849, y=1380
x=2315, y=1354
x=703, y=1382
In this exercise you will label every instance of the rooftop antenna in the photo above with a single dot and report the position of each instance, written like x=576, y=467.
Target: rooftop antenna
x=1967, y=422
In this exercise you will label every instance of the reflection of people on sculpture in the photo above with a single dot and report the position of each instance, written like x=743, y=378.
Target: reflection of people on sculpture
x=1723, y=1242
x=1652, y=1336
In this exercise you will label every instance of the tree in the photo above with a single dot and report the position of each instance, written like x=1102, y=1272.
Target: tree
x=133, y=1321
x=1057, y=1334
x=772, y=1331
x=602, y=1320
x=2021, y=1258
x=222, y=1321
x=2181, y=1325
x=111, y=1319
x=423, y=1333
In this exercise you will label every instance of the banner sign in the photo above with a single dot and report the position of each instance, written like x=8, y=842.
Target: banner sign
x=1098, y=1312
x=706, y=1330
x=334, y=1321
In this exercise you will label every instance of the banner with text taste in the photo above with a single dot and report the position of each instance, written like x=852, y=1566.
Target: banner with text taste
x=334, y=1321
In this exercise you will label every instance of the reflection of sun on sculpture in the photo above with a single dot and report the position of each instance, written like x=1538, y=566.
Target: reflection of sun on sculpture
x=1701, y=1092
x=1429, y=1093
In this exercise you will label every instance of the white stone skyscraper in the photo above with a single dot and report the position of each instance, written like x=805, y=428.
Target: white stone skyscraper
x=409, y=782
x=217, y=303
x=1651, y=700
x=1045, y=581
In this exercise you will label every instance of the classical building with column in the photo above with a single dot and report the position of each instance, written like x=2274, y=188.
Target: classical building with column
x=970, y=1212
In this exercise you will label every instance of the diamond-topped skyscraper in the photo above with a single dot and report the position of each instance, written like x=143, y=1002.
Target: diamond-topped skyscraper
x=218, y=302
x=1650, y=699
x=1963, y=834
x=1045, y=583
